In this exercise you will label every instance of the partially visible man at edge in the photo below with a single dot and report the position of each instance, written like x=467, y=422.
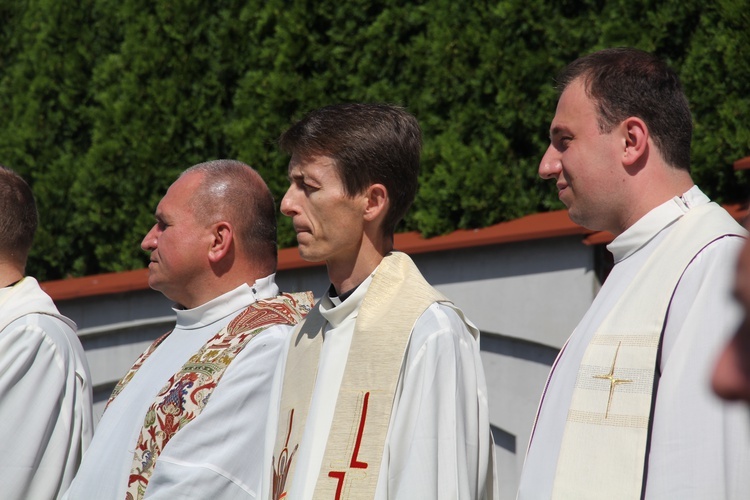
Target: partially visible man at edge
x=189, y=419
x=384, y=394
x=731, y=377
x=45, y=386
x=627, y=411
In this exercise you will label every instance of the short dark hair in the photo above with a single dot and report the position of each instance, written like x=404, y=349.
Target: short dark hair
x=233, y=191
x=626, y=82
x=18, y=216
x=369, y=144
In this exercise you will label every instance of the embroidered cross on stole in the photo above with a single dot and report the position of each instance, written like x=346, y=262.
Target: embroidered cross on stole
x=186, y=393
x=396, y=298
x=605, y=442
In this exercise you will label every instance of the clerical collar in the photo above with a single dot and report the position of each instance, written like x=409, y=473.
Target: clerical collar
x=223, y=305
x=336, y=311
x=11, y=285
x=338, y=299
x=651, y=224
x=7, y=291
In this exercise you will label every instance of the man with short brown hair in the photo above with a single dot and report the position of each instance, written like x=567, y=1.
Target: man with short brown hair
x=45, y=386
x=383, y=392
x=627, y=411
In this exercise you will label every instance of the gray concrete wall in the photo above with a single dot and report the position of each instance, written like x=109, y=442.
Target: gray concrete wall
x=114, y=330
x=525, y=298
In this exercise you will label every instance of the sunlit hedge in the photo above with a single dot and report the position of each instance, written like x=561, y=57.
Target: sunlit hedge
x=104, y=102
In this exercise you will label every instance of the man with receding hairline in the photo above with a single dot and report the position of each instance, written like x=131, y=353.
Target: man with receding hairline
x=46, y=420
x=627, y=411
x=189, y=419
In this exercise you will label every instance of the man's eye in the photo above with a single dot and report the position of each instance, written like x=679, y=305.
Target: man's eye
x=562, y=142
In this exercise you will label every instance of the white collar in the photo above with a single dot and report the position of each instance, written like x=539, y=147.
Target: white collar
x=226, y=304
x=651, y=224
x=336, y=312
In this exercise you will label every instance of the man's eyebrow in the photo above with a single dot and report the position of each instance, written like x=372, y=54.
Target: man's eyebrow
x=555, y=131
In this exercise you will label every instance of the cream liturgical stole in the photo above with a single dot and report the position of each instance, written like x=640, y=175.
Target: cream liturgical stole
x=186, y=393
x=396, y=298
x=605, y=442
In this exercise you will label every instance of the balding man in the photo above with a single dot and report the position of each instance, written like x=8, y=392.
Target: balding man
x=189, y=419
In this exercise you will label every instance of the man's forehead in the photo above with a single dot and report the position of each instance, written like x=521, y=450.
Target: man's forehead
x=310, y=165
x=574, y=108
x=160, y=212
x=179, y=195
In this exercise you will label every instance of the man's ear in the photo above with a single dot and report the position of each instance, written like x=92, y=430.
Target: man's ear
x=636, y=140
x=377, y=202
x=222, y=236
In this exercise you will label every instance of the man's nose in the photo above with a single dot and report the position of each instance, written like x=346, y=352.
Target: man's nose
x=550, y=166
x=287, y=202
x=149, y=241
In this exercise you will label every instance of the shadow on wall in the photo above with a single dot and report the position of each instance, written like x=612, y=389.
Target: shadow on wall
x=518, y=349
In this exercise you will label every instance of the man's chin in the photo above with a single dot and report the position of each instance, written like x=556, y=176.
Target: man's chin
x=311, y=258
x=576, y=217
x=579, y=218
x=153, y=282
x=307, y=255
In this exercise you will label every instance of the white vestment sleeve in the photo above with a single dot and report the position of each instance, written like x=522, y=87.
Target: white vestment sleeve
x=700, y=446
x=41, y=437
x=437, y=446
x=220, y=454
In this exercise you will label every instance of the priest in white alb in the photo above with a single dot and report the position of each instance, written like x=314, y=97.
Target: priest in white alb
x=189, y=419
x=45, y=386
x=628, y=411
x=382, y=393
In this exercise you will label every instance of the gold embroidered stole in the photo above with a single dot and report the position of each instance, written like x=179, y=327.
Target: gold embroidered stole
x=396, y=298
x=186, y=393
x=124, y=381
x=605, y=441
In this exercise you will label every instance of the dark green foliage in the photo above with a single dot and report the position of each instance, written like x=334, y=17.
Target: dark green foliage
x=104, y=103
x=45, y=124
x=716, y=75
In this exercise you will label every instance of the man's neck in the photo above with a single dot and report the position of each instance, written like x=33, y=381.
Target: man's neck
x=647, y=188
x=9, y=273
x=347, y=273
x=213, y=285
x=347, y=276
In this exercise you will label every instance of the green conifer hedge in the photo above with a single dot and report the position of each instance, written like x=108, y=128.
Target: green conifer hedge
x=104, y=102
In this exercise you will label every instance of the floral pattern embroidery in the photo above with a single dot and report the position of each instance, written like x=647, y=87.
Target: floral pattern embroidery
x=187, y=392
x=138, y=362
